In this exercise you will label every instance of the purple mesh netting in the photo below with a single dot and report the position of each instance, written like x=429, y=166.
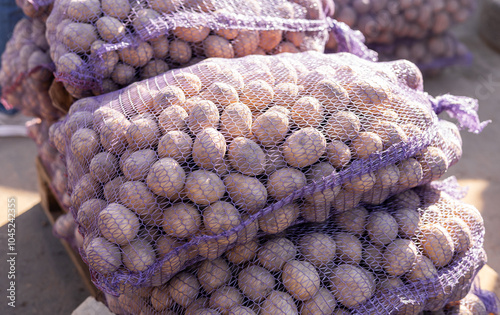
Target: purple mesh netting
x=451, y=186
x=489, y=299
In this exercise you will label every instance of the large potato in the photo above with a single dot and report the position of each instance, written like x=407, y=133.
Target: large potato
x=78, y=37
x=181, y=220
x=279, y=303
x=166, y=178
x=243, y=252
x=275, y=253
x=255, y=282
x=138, y=255
x=104, y=167
x=434, y=163
x=353, y=220
x=236, y=121
x=189, y=83
x=203, y=114
x=270, y=128
x=301, y=279
x=138, y=198
x=118, y=224
x=351, y=285
x=222, y=94
x=103, y=256
x=399, y=257
x=460, y=233
x=246, y=156
x=423, y=270
x=112, y=189
x=142, y=133
x=209, y=148
x=268, y=40
x=173, y=118
x=437, y=244
x=331, y=95
x=225, y=298
x=213, y=274
x=180, y=51
x=349, y=249
x=343, y=126
x=304, y=147
x=204, y=187
x=176, y=145
x=323, y=302
x=365, y=144
x=307, y=112
x=136, y=165
x=168, y=96
x=279, y=219
x=245, y=43
x=84, y=145
x=361, y=183
x=160, y=298
x=284, y=182
x=285, y=94
x=83, y=11
x=123, y=74
x=381, y=227
x=116, y=8
x=220, y=216
x=257, y=95
x=318, y=248
x=408, y=221
x=113, y=134
x=110, y=29
x=154, y=68
x=246, y=192
x=217, y=47
x=194, y=34
x=184, y=288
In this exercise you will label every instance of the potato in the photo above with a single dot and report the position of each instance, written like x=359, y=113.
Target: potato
x=189, y=83
x=348, y=248
x=301, y=279
x=432, y=214
x=434, y=163
x=323, y=302
x=123, y=74
x=84, y=145
x=116, y=8
x=168, y=96
x=153, y=68
x=142, y=133
x=437, y=244
x=317, y=174
x=136, y=165
x=213, y=274
x=166, y=178
x=245, y=43
x=225, y=298
x=160, y=47
x=389, y=132
x=220, y=216
x=346, y=199
x=203, y=115
x=285, y=94
x=279, y=303
x=408, y=221
x=209, y=148
x=279, y=219
x=343, y=126
x=331, y=95
x=365, y=144
x=249, y=230
x=240, y=310
x=68, y=63
x=137, y=197
x=230, y=76
x=307, y=112
x=381, y=227
x=353, y=220
x=138, y=55
x=165, y=6
x=246, y=192
x=181, y=220
x=112, y=189
x=399, y=257
x=373, y=256
x=184, y=288
x=206, y=311
x=236, y=121
x=118, y=224
x=204, y=187
x=76, y=121
x=222, y=94
x=212, y=248
x=284, y=182
x=138, y=255
x=217, y=47
x=85, y=189
x=275, y=253
x=268, y=40
x=318, y=248
x=113, y=134
x=198, y=304
x=460, y=233
x=110, y=29
x=243, y=252
x=164, y=246
x=387, y=177
x=351, y=285
x=160, y=298
x=176, y=145
x=316, y=208
x=78, y=37
x=410, y=173
x=104, y=167
x=246, y=156
x=105, y=62
x=180, y=52
x=83, y=11
x=257, y=95
x=338, y=153
x=270, y=128
x=103, y=256
x=88, y=213
x=194, y=34
x=286, y=47
x=255, y=282
x=422, y=270
x=361, y=183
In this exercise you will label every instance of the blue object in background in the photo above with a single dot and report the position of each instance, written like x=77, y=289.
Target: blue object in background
x=10, y=14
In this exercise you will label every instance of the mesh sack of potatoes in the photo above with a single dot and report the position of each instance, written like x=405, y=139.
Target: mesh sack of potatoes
x=36, y=9
x=431, y=54
x=418, y=251
x=101, y=45
x=210, y=155
x=26, y=71
x=384, y=21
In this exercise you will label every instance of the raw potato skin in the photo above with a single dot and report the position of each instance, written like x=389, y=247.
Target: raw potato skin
x=209, y=148
x=142, y=133
x=353, y=221
x=460, y=233
x=180, y=51
x=275, y=253
x=307, y=112
x=136, y=165
x=338, y=153
x=181, y=220
x=103, y=167
x=213, y=274
x=116, y=8
x=278, y=220
x=160, y=299
x=218, y=47
x=365, y=144
x=323, y=302
x=236, y=121
x=220, y=216
x=318, y=248
x=88, y=212
x=301, y=279
x=245, y=43
x=242, y=252
x=279, y=303
x=257, y=95
x=304, y=147
x=137, y=197
x=204, y=187
x=176, y=145
x=225, y=298
x=173, y=118
x=246, y=156
x=103, y=256
x=166, y=178
x=192, y=34
x=399, y=256
x=240, y=310
x=270, y=128
x=284, y=182
x=437, y=244
x=343, y=126
x=202, y=115
x=246, y=192
x=84, y=145
x=423, y=270
x=408, y=221
x=138, y=255
x=118, y=224
x=351, y=285
x=382, y=228
x=184, y=288
x=349, y=249
x=255, y=282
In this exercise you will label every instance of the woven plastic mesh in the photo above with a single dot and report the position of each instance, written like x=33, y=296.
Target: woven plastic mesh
x=384, y=21
x=418, y=251
x=100, y=46
x=26, y=72
x=214, y=154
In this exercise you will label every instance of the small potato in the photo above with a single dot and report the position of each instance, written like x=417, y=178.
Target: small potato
x=331, y=95
x=304, y=147
x=173, y=118
x=112, y=189
x=346, y=199
x=225, y=298
x=142, y=133
x=307, y=112
x=192, y=34
x=123, y=74
x=165, y=6
x=217, y=47
x=285, y=94
x=138, y=198
x=361, y=183
x=83, y=11
x=338, y=153
x=423, y=270
x=365, y=144
x=271, y=128
x=116, y=8
x=166, y=178
x=460, y=233
x=410, y=174
x=279, y=219
x=184, y=288
x=437, y=244
x=351, y=285
x=399, y=257
x=78, y=37
x=138, y=55
x=257, y=95
x=381, y=227
x=160, y=47
x=138, y=255
x=220, y=216
x=343, y=126
x=213, y=274
x=236, y=121
x=268, y=40
x=68, y=63
x=154, y=68
x=408, y=221
x=209, y=148
x=181, y=220
x=104, y=167
x=243, y=252
x=118, y=224
x=176, y=145
x=434, y=164
x=353, y=220
x=245, y=43
x=88, y=213
x=323, y=302
x=255, y=282
x=246, y=156
x=246, y=192
x=284, y=182
x=180, y=52
x=85, y=189
x=84, y=145
x=349, y=249
x=160, y=299
x=204, y=187
x=279, y=303
x=373, y=256
x=110, y=29
x=241, y=310
x=318, y=248
x=189, y=83
x=103, y=256
x=222, y=94
x=275, y=253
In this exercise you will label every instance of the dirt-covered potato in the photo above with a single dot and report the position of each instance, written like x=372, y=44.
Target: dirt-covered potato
x=137, y=197
x=279, y=303
x=423, y=270
x=136, y=165
x=213, y=274
x=323, y=302
x=222, y=94
x=176, y=145
x=304, y=147
x=225, y=298
x=408, y=221
x=166, y=178
x=103, y=256
x=343, y=126
x=279, y=219
x=209, y=148
x=85, y=189
x=318, y=248
x=184, y=288
x=181, y=220
x=236, y=121
x=245, y=43
x=270, y=128
x=180, y=51
x=202, y=115
x=246, y=156
x=434, y=163
x=284, y=182
x=138, y=255
x=255, y=282
x=351, y=285
x=257, y=95
x=459, y=232
x=275, y=253
x=399, y=257
x=204, y=187
x=437, y=244
x=349, y=249
x=118, y=224
x=338, y=153
x=104, y=167
x=160, y=298
x=301, y=279
x=353, y=220
x=381, y=227
x=84, y=145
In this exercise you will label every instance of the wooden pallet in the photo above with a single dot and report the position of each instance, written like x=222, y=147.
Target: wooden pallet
x=53, y=209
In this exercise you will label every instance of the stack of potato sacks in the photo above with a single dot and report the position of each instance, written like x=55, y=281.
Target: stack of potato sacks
x=413, y=30
x=288, y=184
